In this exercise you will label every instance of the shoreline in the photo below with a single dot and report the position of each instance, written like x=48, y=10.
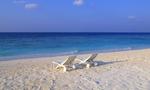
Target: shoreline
x=12, y=58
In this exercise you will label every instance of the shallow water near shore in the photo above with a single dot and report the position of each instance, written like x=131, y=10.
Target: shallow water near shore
x=24, y=45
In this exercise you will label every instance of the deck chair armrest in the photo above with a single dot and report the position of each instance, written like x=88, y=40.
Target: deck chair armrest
x=56, y=63
x=79, y=59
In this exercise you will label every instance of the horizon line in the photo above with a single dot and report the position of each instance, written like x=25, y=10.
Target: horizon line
x=74, y=32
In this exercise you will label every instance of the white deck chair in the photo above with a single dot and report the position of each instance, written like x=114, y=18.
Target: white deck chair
x=89, y=61
x=68, y=63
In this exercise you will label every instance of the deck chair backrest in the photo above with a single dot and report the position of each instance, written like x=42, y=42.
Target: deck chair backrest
x=69, y=60
x=91, y=57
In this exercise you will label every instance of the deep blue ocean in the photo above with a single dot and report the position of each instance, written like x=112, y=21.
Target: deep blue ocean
x=24, y=45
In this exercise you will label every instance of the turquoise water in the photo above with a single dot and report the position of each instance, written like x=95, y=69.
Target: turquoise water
x=22, y=45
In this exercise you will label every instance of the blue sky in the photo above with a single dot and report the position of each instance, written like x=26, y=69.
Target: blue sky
x=75, y=16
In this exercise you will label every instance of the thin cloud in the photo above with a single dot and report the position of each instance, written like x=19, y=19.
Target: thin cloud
x=27, y=5
x=19, y=1
x=31, y=6
x=131, y=17
x=78, y=2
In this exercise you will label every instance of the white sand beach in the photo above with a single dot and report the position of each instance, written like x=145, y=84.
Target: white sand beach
x=124, y=70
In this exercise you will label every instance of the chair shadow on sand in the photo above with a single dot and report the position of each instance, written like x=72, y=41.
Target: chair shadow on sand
x=105, y=63
x=99, y=63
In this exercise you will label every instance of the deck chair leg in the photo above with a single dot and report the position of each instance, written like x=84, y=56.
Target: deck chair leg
x=64, y=69
x=73, y=67
x=95, y=64
x=88, y=65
